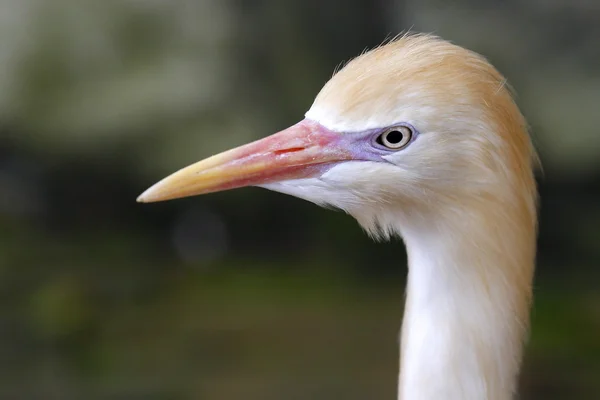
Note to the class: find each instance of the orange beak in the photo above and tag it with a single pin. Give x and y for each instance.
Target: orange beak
(301, 151)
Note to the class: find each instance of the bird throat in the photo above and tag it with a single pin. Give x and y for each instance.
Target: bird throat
(467, 308)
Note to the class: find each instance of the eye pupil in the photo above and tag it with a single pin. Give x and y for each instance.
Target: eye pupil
(394, 137)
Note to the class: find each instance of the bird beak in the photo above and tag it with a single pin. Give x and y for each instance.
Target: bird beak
(303, 150)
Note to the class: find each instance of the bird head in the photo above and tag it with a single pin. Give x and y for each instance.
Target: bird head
(401, 130)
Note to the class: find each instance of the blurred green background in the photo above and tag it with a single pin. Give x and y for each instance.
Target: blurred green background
(250, 294)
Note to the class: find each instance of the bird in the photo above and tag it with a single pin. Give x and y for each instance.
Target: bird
(418, 138)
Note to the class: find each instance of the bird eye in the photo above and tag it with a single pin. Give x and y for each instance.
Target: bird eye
(395, 138)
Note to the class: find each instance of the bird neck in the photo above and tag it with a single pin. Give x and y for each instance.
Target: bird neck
(467, 304)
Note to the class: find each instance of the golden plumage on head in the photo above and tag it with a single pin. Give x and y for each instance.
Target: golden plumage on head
(418, 138)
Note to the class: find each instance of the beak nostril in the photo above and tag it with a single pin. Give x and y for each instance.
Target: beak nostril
(290, 150)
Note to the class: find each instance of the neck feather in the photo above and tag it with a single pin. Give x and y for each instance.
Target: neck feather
(468, 300)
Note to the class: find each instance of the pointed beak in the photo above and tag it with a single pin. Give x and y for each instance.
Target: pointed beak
(301, 151)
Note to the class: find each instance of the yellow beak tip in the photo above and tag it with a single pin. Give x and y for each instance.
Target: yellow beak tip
(142, 198)
(147, 197)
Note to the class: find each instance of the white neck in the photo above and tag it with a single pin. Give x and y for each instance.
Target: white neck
(467, 307)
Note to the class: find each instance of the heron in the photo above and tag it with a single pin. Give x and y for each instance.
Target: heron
(421, 139)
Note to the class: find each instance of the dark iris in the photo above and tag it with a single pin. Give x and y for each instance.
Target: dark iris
(391, 137)
(394, 137)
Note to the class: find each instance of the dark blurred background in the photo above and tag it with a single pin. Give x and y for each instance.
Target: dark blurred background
(250, 294)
